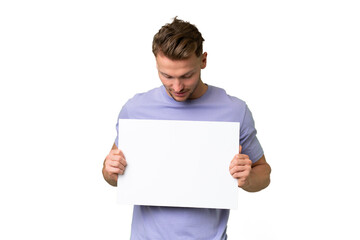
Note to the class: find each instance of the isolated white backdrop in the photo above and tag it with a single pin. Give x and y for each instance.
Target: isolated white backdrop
(66, 68)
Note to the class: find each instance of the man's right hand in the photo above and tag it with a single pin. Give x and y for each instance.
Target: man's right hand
(114, 164)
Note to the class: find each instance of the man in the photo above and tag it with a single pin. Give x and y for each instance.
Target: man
(180, 58)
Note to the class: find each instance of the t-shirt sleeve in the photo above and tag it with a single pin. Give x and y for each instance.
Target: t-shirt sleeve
(122, 115)
(248, 140)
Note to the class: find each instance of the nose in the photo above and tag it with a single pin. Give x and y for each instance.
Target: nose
(178, 85)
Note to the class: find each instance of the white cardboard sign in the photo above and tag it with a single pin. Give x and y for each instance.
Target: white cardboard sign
(178, 163)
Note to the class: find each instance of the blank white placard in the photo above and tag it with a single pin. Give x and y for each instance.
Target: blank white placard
(178, 163)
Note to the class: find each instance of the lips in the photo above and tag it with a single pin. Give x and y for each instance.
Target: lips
(180, 94)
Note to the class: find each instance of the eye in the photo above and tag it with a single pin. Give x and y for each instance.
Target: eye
(166, 76)
(187, 76)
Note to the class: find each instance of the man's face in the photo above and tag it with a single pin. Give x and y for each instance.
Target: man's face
(181, 78)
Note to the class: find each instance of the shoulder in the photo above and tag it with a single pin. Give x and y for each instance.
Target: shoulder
(140, 103)
(144, 97)
(220, 95)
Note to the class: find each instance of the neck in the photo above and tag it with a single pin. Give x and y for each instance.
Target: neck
(200, 90)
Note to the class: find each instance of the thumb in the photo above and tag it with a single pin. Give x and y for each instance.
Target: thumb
(240, 148)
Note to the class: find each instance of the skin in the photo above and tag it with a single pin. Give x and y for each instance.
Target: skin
(182, 81)
(181, 78)
(114, 165)
(251, 177)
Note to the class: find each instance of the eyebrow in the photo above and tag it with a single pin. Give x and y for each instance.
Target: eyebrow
(184, 75)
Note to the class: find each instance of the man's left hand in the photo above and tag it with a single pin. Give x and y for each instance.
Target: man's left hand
(240, 168)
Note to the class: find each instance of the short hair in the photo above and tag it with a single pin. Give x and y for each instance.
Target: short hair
(178, 40)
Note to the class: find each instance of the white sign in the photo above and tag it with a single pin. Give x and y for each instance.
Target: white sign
(178, 163)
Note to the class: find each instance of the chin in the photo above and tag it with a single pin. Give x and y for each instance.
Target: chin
(180, 99)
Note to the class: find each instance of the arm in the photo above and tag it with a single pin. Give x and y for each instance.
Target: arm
(252, 177)
(114, 164)
(259, 177)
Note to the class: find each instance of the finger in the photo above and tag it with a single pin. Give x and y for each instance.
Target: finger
(238, 169)
(236, 158)
(236, 161)
(241, 162)
(241, 182)
(240, 148)
(115, 151)
(233, 162)
(113, 170)
(122, 154)
(117, 158)
(112, 157)
(242, 156)
(123, 162)
(116, 164)
(241, 175)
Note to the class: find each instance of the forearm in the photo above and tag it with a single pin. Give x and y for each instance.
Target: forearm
(258, 179)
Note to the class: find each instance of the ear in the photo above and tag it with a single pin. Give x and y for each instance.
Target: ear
(203, 60)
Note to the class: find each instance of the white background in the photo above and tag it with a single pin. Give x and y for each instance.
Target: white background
(66, 68)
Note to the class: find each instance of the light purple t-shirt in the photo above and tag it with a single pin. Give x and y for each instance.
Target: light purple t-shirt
(158, 223)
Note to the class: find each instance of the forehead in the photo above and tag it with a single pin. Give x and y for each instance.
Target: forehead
(174, 67)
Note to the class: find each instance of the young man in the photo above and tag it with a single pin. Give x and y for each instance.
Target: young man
(183, 96)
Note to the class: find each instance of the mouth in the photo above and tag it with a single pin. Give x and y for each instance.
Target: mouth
(180, 94)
